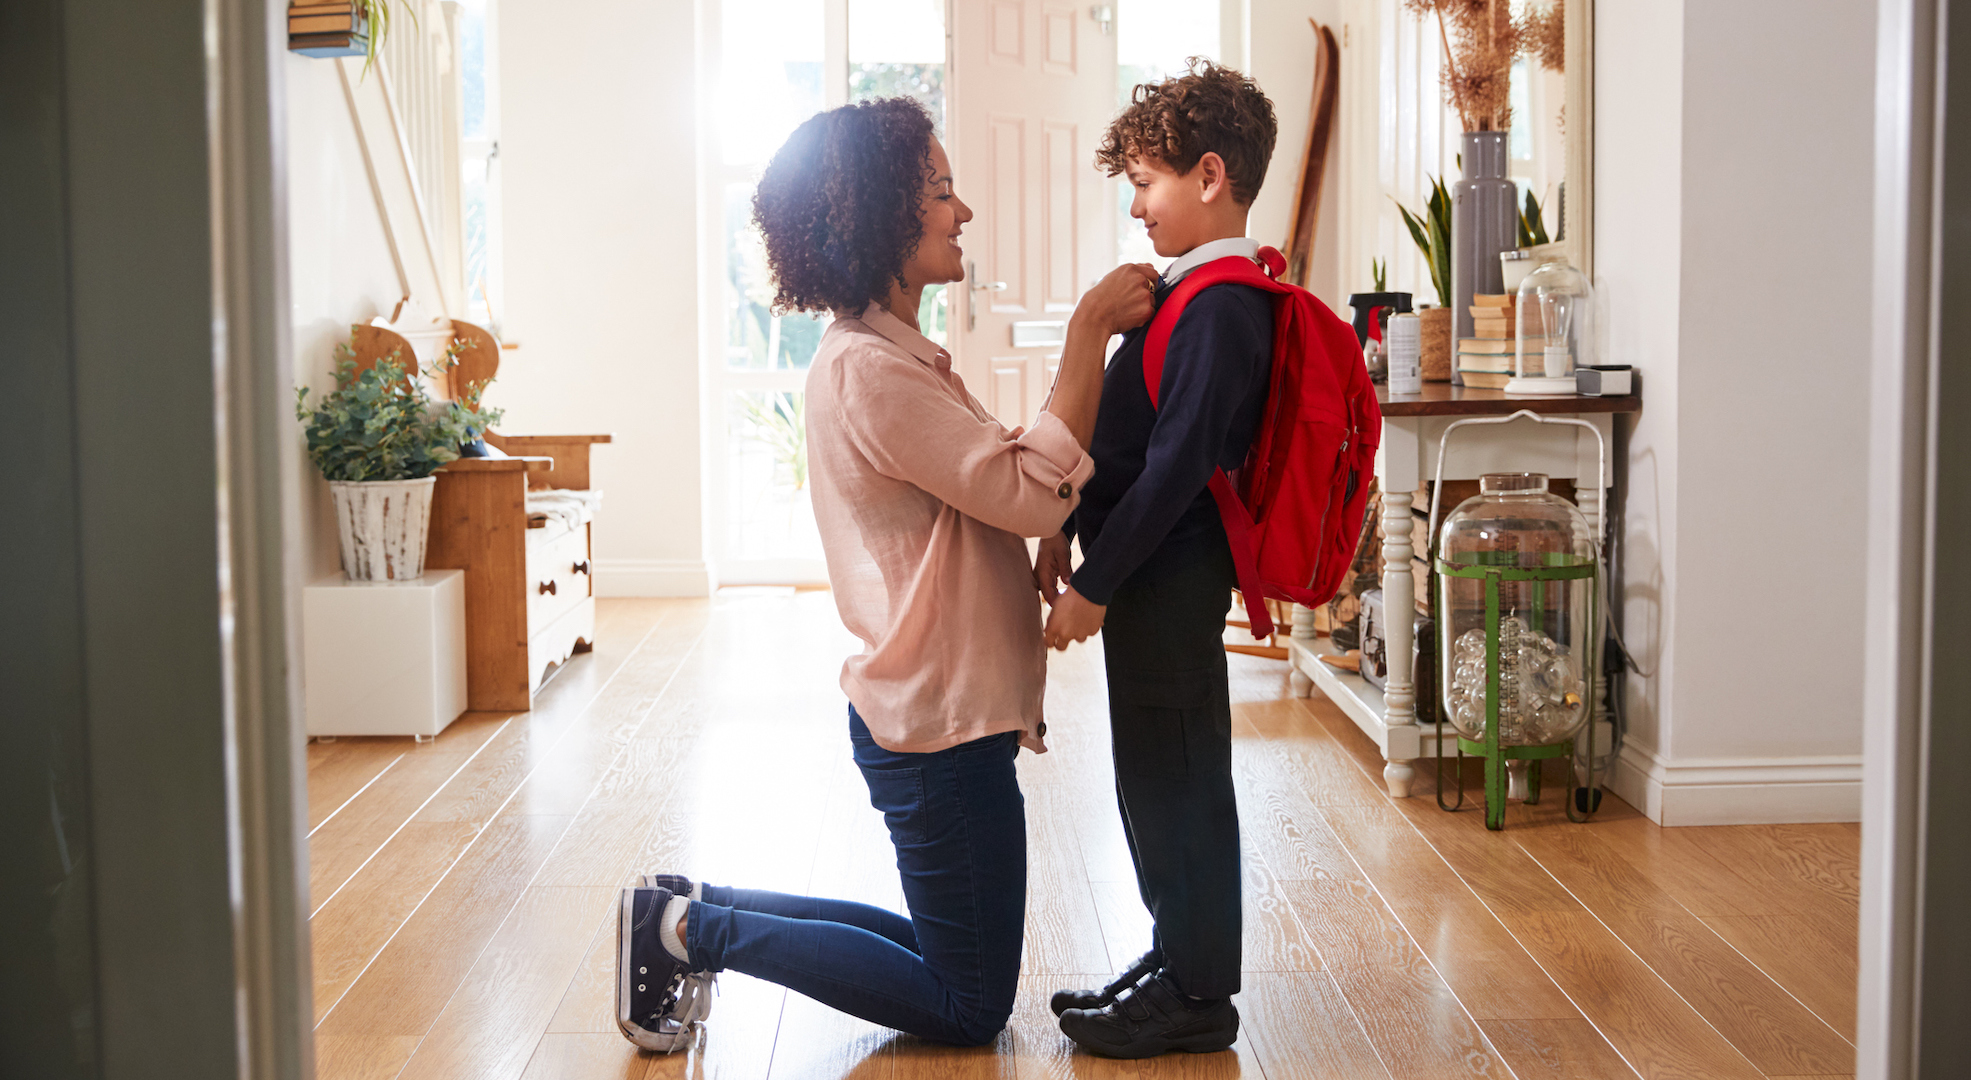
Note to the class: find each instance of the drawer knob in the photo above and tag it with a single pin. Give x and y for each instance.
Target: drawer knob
(547, 588)
(581, 567)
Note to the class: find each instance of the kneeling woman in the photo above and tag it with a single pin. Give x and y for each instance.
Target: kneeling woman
(922, 499)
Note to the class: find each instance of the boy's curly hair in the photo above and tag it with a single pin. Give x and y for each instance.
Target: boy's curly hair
(1209, 109)
(839, 208)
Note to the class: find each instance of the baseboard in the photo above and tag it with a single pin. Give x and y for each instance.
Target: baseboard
(1739, 791)
(652, 577)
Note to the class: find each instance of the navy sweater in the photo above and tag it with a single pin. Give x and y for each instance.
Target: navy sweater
(1146, 511)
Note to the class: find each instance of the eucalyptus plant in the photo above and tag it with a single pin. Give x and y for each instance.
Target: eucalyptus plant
(380, 424)
(1431, 229)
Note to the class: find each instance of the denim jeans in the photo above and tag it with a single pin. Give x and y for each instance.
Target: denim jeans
(950, 971)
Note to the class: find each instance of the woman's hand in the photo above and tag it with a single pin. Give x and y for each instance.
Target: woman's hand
(1073, 619)
(1051, 567)
(1124, 299)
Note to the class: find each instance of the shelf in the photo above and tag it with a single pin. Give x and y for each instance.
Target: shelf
(1443, 399)
(1363, 704)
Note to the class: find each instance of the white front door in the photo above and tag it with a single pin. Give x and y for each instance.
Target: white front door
(1033, 86)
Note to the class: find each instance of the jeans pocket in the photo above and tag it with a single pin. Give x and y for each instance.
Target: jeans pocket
(899, 794)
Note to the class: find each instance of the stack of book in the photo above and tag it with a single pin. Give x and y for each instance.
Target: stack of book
(327, 29)
(1486, 358)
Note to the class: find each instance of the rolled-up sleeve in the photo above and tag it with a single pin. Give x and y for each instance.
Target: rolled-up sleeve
(913, 429)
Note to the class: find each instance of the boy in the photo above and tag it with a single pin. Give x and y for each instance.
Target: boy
(1157, 572)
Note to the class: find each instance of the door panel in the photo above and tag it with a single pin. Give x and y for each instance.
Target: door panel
(1008, 225)
(1032, 87)
(1059, 244)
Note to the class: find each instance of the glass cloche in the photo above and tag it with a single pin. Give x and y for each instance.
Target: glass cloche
(1533, 551)
(1555, 329)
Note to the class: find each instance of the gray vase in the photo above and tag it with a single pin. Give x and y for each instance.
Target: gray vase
(1484, 222)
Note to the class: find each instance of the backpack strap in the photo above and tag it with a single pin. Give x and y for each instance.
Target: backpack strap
(1156, 342)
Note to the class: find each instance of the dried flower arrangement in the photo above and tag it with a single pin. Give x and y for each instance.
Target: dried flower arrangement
(1543, 36)
(1478, 69)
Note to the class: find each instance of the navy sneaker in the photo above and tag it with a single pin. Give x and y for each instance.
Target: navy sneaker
(660, 1002)
(677, 883)
(1145, 966)
(1154, 1018)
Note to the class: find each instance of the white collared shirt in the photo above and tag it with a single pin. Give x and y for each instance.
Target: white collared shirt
(1208, 251)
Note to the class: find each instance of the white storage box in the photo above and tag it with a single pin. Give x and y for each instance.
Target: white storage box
(384, 657)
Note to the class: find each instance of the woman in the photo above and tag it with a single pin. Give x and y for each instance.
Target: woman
(922, 499)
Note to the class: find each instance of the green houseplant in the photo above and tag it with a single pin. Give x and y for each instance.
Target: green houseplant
(1431, 230)
(377, 439)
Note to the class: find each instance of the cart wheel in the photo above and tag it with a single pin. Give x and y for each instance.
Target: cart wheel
(1587, 800)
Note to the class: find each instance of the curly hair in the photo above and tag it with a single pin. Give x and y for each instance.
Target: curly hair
(1209, 109)
(839, 207)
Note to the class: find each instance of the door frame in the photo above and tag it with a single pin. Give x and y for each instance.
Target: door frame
(150, 315)
(1915, 950)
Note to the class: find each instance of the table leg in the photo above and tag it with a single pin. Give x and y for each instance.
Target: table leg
(1593, 504)
(1303, 628)
(1399, 607)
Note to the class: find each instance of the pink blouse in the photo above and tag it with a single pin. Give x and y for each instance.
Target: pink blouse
(922, 499)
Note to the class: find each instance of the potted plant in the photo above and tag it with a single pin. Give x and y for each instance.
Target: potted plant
(323, 28)
(1482, 39)
(1431, 230)
(377, 439)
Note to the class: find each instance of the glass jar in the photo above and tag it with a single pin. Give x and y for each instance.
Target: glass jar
(1555, 315)
(1516, 610)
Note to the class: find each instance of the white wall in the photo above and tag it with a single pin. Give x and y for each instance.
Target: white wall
(1638, 259)
(340, 271)
(1733, 181)
(598, 146)
(1279, 50)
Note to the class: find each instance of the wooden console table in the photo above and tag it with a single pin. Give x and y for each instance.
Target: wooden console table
(1412, 425)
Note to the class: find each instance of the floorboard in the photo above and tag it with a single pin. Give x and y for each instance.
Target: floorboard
(1556, 1049)
(465, 890)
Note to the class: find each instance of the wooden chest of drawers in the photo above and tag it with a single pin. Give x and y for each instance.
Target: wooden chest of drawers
(529, 598)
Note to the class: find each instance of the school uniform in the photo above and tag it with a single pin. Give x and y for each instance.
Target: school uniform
(1155, 552)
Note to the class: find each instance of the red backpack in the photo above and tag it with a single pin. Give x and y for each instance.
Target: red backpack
(1296, 511)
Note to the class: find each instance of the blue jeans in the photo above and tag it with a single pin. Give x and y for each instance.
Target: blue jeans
(950, 971)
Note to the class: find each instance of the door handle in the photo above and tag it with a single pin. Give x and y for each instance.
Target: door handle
(977, 286)
(548, 589)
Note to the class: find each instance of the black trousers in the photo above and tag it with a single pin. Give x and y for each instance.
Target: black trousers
(1170, 717)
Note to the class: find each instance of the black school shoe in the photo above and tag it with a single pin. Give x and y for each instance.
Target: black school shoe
(1145, 966)
(1153, 1018)
(660, 1001)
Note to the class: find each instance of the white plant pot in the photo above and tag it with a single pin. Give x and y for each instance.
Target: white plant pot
(382, 526)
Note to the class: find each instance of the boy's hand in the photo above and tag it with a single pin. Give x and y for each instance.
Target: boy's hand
(1051, 567)
(1073, 619)
(1124, 299)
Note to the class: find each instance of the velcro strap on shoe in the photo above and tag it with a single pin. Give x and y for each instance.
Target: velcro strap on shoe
(1157, 995)
(1145, 965)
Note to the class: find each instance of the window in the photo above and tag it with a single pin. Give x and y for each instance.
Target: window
(479, 179)
(1154, 40)
(780, 62)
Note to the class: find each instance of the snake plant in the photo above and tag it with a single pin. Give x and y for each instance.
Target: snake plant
(1431, 229)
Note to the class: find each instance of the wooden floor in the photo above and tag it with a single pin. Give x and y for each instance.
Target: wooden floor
(463, 890)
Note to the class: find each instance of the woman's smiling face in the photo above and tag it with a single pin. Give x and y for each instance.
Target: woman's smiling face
(938, 258)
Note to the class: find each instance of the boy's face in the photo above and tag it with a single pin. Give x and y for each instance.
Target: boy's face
(1180, 210)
